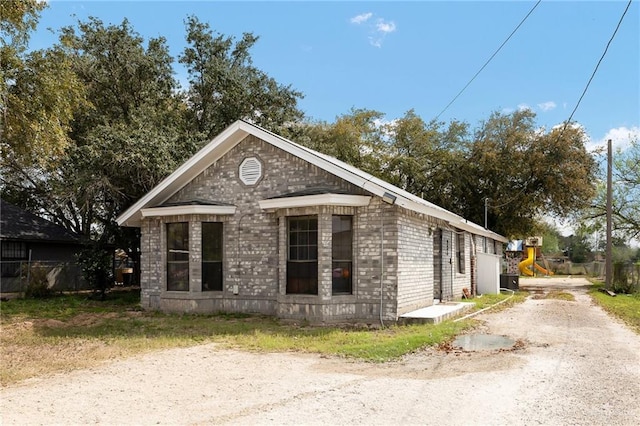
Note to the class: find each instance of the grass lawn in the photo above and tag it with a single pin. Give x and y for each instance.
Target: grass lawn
(624, 306)
(70, 332)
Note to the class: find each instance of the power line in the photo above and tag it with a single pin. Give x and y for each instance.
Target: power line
(595, 70)
(489, 60)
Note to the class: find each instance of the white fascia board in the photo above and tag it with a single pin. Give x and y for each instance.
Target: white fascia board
(476, 229)
(189, 209)
(315, 200)
(186, 172)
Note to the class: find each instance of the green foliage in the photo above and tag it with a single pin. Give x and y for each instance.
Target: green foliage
(424, 158)
(40, 105)
(550, 238)
(243, 331)
(625, 195)
(626, 278)
(490, 300)
(63, 307)
(95, 260)
(560, 295)
(224, 86)
(625, 307)
(577, 246)
(17, 19)
(524, 172)
(37, 282)
(109, 122)
(96, 121)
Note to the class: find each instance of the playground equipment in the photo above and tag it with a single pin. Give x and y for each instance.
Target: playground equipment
(515, 262)
(525, 265)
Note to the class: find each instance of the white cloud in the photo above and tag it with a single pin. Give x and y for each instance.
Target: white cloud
(385, 27)
(375, 41)
(547, 106)
(522, 107)
(621, 138)
(363, 17)
(378, 29)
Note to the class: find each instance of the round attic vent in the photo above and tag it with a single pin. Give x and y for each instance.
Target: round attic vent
(250, 171)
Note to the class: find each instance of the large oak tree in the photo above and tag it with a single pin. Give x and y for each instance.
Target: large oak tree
(521, 172)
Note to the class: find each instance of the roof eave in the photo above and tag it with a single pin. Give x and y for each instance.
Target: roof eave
(185, 173)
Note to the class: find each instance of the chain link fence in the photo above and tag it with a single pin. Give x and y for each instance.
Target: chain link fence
(626, 277)
(23, 276)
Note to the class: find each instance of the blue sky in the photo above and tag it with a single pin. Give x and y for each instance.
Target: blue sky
(396, 56)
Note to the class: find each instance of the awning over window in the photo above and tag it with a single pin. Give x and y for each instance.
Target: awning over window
(314, 197)
(189, 207)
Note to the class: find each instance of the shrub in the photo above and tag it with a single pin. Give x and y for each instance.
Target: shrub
(37, 281)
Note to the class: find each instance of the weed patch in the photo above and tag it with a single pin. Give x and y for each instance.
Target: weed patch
(623, 306)
(560, 295)
(73, 331)
(489, 300)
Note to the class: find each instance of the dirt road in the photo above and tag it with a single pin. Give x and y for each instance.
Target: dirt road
(576, 366)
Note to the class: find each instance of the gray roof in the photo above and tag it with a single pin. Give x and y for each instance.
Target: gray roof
(19, 225)
(239, 130)
(195, 202)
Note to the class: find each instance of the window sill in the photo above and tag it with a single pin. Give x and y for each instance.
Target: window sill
(195, 295)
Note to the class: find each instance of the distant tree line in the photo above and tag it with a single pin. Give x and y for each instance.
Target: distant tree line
(92, 123)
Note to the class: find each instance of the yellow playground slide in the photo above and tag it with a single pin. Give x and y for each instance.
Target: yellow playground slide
(525, 264)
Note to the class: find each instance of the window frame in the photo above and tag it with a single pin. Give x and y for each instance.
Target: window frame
(341, 266)
(217, 257)
(460, 246)
(12, 254)
(180, 266)
(302, 255)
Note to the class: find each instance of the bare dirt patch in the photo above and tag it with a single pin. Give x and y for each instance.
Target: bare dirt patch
(574, 365)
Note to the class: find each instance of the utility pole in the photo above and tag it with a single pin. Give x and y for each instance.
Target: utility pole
(609, 254)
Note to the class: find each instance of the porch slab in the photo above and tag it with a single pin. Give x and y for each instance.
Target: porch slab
(435, 314)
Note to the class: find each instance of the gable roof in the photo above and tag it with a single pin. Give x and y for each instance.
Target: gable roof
(239, 130)
(20, 225)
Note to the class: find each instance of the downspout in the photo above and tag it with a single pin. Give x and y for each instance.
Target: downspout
(381, 258)
(473, 264)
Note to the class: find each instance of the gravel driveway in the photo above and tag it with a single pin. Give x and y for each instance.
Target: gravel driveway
(576, 366)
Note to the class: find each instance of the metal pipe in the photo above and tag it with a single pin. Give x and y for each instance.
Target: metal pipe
(473, 314)
(381, 259)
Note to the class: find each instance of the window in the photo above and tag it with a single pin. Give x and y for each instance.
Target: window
(178, 256)
(14, 250)
(12, 253)
(212, 256)
(342, 254)
(302, 263)
(460, 254)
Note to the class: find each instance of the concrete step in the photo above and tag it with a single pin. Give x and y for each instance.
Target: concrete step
(435, 314)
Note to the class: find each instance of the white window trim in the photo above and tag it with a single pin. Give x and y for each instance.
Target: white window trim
(189, 209)
(315, 200)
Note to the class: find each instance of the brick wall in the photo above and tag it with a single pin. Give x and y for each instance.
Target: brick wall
(461, 280)
(415, 261)
(255, 245)
(393, 260)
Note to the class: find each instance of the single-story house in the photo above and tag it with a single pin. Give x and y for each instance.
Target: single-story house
(27, 238)
(255, 223)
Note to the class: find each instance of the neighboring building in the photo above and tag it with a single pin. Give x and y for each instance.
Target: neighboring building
(256, 223)
(25, 237)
